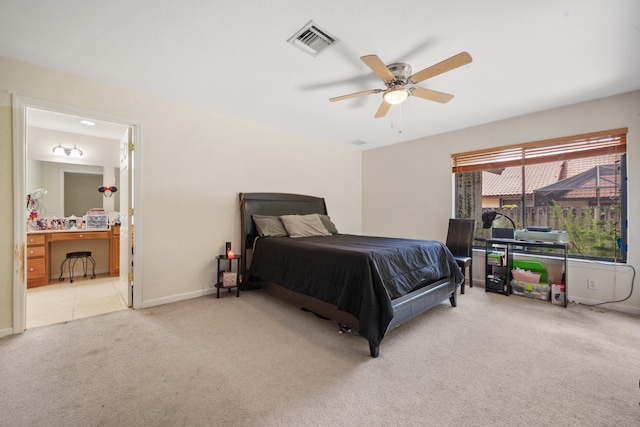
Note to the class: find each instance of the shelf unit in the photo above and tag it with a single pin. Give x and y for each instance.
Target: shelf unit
(219, 282)
(499, 262)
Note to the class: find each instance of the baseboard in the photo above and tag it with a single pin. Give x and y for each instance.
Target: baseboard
(55, 276)
(176, 298)
(6, 332)
(620, 306)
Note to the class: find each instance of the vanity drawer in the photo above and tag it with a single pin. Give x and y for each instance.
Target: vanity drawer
(36, 269)
(79, 235)
(35, 251)
(36, 240)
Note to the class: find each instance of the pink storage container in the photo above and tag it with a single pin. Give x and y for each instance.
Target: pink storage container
(525, 276)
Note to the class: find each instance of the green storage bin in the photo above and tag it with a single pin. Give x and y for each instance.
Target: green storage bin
(495, 258)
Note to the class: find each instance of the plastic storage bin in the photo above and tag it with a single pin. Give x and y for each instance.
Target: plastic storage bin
(533, 266)
(525, 276)
(495, 258)
(531, 290)
(97, 222)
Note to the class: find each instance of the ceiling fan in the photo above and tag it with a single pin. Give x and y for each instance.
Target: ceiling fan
(398, 75)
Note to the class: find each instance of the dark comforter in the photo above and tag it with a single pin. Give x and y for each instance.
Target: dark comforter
(357, 274)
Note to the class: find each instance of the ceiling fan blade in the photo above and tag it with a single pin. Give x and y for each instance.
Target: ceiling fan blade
(353, 95)
(383, 109)
(455, 61)
(431, 95)
(378, 67)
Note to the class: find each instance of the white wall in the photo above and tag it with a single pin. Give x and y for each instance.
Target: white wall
(407, 188)
(193, 163)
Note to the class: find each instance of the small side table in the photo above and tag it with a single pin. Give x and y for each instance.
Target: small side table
(219, 282)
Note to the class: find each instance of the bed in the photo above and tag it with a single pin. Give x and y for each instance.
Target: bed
(369, 284)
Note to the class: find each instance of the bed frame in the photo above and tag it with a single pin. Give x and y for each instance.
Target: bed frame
(405, 308)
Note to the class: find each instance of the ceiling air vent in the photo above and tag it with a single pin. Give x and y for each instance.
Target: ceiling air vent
(312, 39)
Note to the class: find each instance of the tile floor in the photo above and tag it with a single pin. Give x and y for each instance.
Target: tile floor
(63, 301)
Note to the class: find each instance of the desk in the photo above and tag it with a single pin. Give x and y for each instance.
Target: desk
(39, 250)
(498, 275)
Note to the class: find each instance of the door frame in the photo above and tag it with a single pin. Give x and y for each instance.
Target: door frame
(19, 123)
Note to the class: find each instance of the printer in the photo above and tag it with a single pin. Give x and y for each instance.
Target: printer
(542, 234)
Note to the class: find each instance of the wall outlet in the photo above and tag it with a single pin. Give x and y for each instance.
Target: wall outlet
(592, 284)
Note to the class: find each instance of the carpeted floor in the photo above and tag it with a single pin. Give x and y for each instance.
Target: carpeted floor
(256, 361)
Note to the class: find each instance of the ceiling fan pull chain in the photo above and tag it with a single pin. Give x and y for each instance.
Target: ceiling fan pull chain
(397, 118)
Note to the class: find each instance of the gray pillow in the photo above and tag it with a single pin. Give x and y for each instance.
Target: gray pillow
(328, 224)
(269, 226)
(304, 225)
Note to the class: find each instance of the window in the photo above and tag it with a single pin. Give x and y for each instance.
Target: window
(576, 184)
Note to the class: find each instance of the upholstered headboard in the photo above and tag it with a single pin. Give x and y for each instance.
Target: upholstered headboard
(272, 204)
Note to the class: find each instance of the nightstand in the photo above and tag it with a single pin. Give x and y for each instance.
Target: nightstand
(223, 282)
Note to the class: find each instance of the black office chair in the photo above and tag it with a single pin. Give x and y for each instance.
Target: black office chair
(460, 243)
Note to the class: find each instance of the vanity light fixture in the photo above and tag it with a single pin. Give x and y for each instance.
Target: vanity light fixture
(65, 151)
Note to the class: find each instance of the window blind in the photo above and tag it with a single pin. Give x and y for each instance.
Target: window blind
(566, 148)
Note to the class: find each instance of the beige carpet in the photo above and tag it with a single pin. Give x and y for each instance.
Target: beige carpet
(255, 361)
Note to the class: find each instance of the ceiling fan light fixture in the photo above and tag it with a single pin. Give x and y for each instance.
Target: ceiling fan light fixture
(399, 74)
(395, 95)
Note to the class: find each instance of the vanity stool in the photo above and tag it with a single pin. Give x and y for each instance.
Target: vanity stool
(72, 258)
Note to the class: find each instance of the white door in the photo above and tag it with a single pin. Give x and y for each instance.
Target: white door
(126, 217)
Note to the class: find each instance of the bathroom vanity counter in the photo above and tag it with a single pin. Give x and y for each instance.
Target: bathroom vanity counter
(39, 250)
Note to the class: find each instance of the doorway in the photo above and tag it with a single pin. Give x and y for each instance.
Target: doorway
(33, 118)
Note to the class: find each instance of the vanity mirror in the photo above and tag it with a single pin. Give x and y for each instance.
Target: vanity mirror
(71, 189)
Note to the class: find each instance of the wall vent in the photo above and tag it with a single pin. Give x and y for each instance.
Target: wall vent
(312, 39)
(357, 142)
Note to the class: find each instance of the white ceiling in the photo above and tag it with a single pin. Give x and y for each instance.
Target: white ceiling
(73, 124)
(232, 57)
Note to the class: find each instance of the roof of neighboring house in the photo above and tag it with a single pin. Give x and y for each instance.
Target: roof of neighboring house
(585, 185)
(575, 167)
(508, 181)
